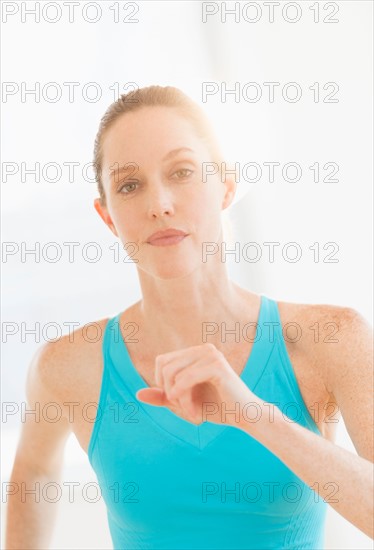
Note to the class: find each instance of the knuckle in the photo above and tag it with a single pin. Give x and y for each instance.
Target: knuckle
(212, 350)
(178, 379)
(159, 360)
(210, 346)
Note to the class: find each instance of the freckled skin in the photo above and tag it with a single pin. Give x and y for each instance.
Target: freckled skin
(179, 293)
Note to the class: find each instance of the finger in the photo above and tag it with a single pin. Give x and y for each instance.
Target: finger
(152, 396)
(156, 397)
(166, 359)
(186, 404)
(170, 371)
(181, 357)
(196, 374)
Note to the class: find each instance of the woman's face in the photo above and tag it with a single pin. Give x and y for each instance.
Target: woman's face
(162, 188)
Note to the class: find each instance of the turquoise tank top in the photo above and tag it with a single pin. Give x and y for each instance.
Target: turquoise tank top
(170, 484)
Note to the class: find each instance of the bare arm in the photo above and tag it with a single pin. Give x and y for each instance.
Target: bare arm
(323, 465)
(30, 516)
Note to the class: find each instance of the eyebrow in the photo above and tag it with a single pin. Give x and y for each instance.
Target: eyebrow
(171, 154)
(175, 152)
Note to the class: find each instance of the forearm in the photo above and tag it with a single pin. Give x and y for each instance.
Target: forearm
(320, 463)
(30, 512)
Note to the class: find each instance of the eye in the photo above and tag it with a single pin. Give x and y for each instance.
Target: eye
(126, 186)
(183, 172)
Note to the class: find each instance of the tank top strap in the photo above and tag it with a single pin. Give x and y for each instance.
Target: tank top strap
(271, 323)
(281, 369)
(277, 332)
(113, 346)
(113, 377)
(105, 385)
(107, 342)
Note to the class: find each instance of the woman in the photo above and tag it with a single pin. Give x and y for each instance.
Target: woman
(203, 438)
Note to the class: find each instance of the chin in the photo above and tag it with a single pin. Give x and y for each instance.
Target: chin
(172, 270)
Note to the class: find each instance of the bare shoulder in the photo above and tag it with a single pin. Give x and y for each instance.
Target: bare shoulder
(344, 361)
(327, 334)
(72, 363)
(62, 370)
(333, 361)
(308, 312)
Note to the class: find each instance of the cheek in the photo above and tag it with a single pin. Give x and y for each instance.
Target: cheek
(206, 197)
(213, 192)
(125, 222)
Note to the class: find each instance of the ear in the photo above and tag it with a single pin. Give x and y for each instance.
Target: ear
(102, 210)
(230, 190)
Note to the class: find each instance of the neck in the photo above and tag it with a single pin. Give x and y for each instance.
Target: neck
(193, 309)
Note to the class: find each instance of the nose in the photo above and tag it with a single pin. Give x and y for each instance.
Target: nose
(160, 202)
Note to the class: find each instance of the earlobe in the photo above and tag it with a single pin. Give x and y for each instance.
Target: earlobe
(103, 213)
(230, 192)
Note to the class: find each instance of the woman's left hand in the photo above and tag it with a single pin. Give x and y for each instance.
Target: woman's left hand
(198, 384)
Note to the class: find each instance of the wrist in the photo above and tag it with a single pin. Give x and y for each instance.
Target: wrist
(259, 417)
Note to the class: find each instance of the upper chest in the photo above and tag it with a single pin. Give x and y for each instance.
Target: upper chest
(315, 396)
(318, 401)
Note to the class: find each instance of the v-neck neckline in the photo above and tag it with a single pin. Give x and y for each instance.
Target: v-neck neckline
(199, 436)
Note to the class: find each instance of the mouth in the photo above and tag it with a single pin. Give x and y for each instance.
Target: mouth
(167, 241)
(167, 237)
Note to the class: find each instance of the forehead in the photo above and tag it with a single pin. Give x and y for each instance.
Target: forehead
(149, 133)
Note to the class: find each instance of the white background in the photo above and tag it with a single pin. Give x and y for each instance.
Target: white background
(170, 45)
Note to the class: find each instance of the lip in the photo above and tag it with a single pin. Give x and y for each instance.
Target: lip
(166, 236)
